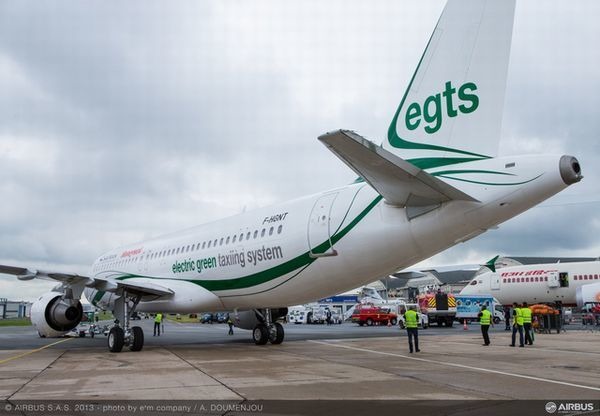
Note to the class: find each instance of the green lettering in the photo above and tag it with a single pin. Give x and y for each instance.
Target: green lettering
(436, 116)
(472, 98)
(414, 111)
(448, 93)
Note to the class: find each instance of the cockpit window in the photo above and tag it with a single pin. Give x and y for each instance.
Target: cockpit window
(473, 282)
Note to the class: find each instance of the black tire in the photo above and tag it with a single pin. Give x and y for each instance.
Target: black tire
(449, 322)
(361, 323)
(279, 333)
(496, 320)
(260, 334)
(137, 339)
(116, 339)
(92, 334)
(309, 318)
(369, 322)
(394, 321)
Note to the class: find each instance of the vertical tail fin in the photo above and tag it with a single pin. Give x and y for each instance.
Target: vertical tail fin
(452, 110)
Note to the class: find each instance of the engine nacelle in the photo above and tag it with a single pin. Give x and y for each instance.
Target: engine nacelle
(588, 294)
(53, 316)
(249, 319)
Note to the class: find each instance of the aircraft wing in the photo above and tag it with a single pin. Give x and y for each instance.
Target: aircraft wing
(398, 181)
(107, 285)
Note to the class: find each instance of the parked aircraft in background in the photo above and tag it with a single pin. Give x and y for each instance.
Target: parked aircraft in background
(569, 283)
(436, 181)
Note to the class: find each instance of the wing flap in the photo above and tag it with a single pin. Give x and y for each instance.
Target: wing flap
(398, 181)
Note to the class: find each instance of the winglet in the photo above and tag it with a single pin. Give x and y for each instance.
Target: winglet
(491, 264)
(398, 181)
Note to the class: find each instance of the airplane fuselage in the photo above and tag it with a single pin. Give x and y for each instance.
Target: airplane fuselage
(540, 283)
(314, 246)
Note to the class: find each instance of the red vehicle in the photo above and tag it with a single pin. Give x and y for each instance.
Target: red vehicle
(373, 315)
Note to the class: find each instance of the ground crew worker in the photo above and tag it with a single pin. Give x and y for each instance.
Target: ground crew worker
(517, 325)
(411, 319)
(485, 320)
(230, 323)
(507, 318)
(157, 321)
(526, 312)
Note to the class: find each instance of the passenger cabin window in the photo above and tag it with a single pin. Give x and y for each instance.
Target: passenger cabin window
(255, 234)
(227, 241)
(271, 231)
(248, 236)
(221, 241)
(233, 239)
(203, 245)
(279, 229)
(209, 243)
(262, 233)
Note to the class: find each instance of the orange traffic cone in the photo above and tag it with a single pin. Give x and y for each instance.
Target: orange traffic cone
(465, 325)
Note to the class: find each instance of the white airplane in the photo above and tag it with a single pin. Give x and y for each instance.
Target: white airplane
(433, 183)
(571, 284)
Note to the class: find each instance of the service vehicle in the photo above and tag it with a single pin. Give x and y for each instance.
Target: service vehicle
(423, 319)
(374, 315)
(439, 308)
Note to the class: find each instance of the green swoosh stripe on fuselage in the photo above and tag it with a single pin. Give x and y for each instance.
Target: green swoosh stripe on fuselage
(265, 276)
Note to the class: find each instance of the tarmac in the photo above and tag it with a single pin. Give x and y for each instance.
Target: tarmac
(340, 362)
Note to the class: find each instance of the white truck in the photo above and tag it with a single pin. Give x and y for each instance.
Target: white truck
(469, 306)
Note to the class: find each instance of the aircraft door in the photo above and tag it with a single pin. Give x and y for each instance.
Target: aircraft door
(495, 281)
(319, 227)
(552, 279)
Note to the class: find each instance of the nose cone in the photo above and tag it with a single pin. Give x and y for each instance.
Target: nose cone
(570, 170)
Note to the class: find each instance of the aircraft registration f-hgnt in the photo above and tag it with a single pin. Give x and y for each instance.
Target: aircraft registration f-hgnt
(435, 181)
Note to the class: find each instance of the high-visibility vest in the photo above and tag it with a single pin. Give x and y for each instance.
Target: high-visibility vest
(411, 319)
(526, 312)
(158, 318)
(486, 317)
(519, 316)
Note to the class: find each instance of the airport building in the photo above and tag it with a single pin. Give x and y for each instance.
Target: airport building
(14, 309)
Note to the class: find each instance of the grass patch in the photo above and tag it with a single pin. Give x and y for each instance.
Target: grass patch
(15, 322)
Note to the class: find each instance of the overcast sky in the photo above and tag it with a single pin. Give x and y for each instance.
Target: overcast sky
(125, 120)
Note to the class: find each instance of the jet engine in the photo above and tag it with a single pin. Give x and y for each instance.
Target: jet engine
(249, 319)
(53, 314)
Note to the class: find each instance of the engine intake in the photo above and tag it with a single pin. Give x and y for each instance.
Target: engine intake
(52, 315)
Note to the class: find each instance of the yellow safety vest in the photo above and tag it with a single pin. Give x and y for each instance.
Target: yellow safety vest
(158, 318)
(411, 319)
(526, 312)
(486, 317)
(519, 316)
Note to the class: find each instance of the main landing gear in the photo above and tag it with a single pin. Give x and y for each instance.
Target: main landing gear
(120, 336)
(267, 330)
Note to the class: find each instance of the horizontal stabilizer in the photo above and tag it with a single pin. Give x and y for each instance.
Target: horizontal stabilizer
(398, 181)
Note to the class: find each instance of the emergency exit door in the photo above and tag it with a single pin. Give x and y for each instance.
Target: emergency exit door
(320, 227)
(495, 281)
(552, 279)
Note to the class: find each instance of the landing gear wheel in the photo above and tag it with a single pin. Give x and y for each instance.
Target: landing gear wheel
(137, 339)
(116, 339)
(260, 334)
(277, 334)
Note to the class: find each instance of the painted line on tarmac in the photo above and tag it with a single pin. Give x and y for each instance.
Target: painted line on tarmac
(533, 347)
(468, 367)
(33, 351)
